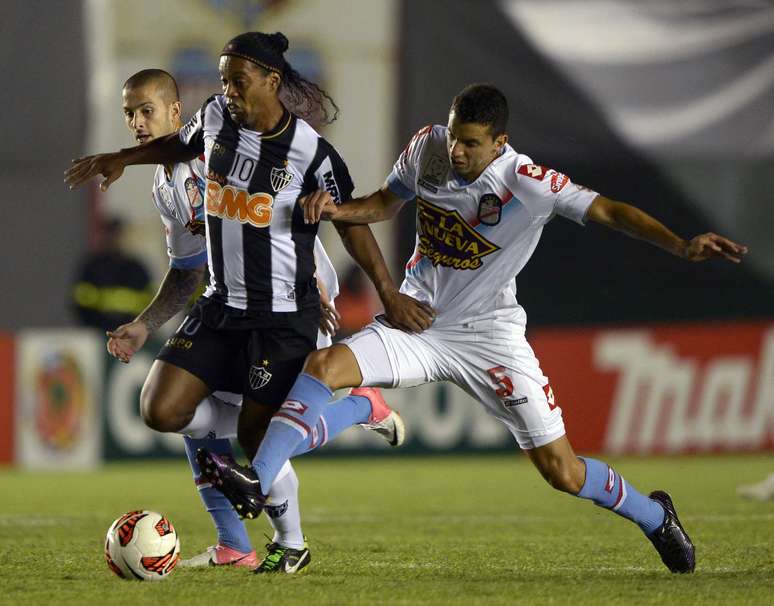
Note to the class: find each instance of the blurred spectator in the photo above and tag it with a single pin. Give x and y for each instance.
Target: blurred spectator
(356, 302)
(111, 287)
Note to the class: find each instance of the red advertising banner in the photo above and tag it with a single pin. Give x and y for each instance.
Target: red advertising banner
(6, 398)
(663, 389)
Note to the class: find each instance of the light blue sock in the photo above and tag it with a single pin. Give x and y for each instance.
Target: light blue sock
(231, 530)
(336, 417)
(290, 426)
(608, 489)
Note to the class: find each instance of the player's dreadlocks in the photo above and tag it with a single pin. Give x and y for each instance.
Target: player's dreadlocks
(305, 98)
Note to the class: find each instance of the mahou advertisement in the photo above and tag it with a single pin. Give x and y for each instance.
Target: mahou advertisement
(664, 389)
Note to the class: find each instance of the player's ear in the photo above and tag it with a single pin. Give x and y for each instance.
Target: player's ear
(176, 110)
(501, 141)
(274, 80)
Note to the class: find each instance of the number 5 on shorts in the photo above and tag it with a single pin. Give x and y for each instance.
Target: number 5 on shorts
(498, 376)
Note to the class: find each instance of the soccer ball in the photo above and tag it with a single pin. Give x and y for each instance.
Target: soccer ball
(142, 545)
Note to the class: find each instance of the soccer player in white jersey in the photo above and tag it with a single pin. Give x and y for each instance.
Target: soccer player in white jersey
(152, 109)
(481, 207)
(258, 318)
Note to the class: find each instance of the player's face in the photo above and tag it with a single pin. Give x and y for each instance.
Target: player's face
(247, 88)
(148, 115)
(471, 147)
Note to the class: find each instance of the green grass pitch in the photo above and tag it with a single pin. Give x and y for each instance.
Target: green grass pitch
(402, 530)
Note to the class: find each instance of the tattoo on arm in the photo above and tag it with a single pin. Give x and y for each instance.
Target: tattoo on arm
(175, 291)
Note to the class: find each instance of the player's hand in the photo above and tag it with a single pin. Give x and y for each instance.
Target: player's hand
(317, 206)
(406, 313)
(711, 245)
(124, 341)
(110, 166)
(329, 318)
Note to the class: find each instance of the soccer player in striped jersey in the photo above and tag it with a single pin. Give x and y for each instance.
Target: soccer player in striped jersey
(481, 208)
(152, 109)
(258, 319)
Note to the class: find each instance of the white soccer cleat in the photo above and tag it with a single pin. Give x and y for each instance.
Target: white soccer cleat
(221, 555)
(383, 420)
(762, 491)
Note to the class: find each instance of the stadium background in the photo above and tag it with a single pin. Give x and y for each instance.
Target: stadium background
(665, 105)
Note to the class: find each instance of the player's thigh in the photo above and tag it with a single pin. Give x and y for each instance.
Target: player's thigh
(276, 355)
(388, 357)
(214, 356)
(509, 383)
(170, 395)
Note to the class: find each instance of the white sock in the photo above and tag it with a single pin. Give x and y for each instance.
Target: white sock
(283, 512)
(213, 418)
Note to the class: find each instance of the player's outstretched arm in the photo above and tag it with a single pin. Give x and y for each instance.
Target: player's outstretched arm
(638, 224)
(164, 150)
(175, 291)
(402, 311)
(378, 206)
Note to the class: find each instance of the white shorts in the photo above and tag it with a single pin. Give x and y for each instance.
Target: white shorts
(489, 359)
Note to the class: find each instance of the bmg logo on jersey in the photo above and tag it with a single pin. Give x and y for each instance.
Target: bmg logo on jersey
(229, 202)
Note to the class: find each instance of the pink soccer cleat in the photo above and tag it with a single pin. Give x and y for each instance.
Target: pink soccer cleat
(383, 420)
(222, 555)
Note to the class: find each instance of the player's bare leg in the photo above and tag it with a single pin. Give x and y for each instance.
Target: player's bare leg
(591, 479)
(559, 466)
(335, 366)
(170, 396)
(253, 421)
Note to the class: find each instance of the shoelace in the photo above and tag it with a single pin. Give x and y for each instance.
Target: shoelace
(272, 560)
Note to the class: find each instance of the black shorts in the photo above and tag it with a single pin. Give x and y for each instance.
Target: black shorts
(259, 356)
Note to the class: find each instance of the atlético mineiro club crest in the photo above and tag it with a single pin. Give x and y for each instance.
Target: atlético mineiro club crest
(280, 178)
(490, 209)
(259, 376)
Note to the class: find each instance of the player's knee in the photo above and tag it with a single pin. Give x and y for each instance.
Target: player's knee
(322, 366)
(157, 414)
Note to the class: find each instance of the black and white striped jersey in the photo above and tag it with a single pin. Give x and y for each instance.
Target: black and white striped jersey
(260, 251)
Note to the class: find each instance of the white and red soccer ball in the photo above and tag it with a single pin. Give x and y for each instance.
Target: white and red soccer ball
(142, 545)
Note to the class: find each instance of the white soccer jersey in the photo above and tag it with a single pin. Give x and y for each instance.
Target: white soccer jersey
(180, 201)
(474, 238)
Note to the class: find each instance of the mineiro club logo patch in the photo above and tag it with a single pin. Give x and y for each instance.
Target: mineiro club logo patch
(259, 375)
(280, 178)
